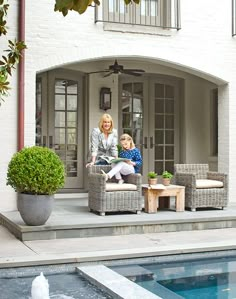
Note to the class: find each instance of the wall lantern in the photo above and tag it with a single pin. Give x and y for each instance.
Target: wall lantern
(105, 98)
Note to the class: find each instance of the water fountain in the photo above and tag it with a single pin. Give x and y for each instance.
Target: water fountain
(40, 288)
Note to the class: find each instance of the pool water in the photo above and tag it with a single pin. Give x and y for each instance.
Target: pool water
(61, 286)
(212, 278)
(206, 286)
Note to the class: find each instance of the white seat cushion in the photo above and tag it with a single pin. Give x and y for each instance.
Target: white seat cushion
(205, 184)
(120, 187)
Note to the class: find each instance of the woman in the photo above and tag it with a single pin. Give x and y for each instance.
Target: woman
(103, 141)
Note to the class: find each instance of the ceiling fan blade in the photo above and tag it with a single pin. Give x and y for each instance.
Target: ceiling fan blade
(105, 71)
(110, 73)
(135, 70)
(117, 69)
(131, 73)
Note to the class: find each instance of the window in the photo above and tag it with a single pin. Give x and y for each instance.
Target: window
(156, 13)
(38, 114)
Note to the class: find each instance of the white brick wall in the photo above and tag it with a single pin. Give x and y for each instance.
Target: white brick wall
(203, 47)
(8, 120)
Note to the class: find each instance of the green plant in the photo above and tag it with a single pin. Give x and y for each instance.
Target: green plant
(80, 6)
(14, 52)
(167, 175)
(36, 170)
(152, 175)
(119, 148)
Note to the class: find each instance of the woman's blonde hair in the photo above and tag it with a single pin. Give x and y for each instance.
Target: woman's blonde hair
(106, 116)
(127, 137)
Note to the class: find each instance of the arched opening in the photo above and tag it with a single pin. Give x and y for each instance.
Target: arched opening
(168, 111)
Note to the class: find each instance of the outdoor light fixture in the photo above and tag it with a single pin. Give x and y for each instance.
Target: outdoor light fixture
(105, 98)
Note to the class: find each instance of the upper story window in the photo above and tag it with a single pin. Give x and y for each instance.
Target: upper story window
(156, 13)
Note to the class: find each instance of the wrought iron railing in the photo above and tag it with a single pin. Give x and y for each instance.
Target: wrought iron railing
(233, 17)
(154, 13)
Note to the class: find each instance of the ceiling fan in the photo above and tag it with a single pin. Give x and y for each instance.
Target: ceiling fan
(119, 69)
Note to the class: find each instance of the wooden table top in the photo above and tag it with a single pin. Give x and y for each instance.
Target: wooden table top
(161, 187)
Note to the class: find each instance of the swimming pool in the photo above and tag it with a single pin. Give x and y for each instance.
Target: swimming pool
(207, 275)
(199, 277)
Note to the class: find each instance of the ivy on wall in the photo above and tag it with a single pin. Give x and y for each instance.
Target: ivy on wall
(13, 53)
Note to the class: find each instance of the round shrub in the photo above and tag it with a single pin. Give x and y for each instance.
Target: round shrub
(36, 170)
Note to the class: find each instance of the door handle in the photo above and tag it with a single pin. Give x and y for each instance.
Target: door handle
(145, 142)
(151, 142)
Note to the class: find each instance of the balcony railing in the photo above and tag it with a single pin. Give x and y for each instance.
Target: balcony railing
(154, 13)
(233, 17)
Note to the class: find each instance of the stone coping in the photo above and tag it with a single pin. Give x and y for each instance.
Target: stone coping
(109, 255)
(119, 287)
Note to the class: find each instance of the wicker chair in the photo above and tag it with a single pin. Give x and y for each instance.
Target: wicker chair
(203, 188)
(110, 196)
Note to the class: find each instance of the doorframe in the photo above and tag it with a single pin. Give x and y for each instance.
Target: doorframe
(48, 98)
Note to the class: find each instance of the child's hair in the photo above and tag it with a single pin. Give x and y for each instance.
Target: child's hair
(106, 116)
(127, 137)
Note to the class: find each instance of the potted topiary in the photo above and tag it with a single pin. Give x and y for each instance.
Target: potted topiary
(36, 173)
(166, 178)
(152, 178)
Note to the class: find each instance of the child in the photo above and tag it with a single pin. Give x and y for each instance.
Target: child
(130, 152)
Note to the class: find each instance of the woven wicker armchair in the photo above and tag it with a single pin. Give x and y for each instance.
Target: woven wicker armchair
(106, 196)
(199, 190)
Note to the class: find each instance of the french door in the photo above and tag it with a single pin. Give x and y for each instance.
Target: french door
(59, 121)
(149, 113)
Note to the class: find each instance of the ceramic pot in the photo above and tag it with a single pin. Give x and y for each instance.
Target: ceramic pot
(165, 181)
(152, 181)
(35, 209)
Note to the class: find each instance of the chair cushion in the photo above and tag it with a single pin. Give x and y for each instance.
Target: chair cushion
(205, 184)
(120, 187)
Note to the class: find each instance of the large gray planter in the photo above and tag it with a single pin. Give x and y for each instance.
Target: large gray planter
(35, 209)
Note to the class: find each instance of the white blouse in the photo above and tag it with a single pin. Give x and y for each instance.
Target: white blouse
(101, 146)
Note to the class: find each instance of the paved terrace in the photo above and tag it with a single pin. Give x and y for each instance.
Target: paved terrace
(125, 243)
(72, 219)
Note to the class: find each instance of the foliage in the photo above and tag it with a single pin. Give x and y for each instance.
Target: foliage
(7, 62)
(167, 175)
(79, 6)
(36, 170)
(119, 148)
(15, 48)
(152, 175)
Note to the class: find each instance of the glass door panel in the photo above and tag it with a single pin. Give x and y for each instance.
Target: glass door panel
(38, 114)
(150, 118)
(132, 111)
(66, 121)
(163, 127)
(59, 123)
